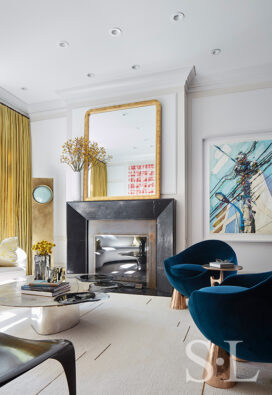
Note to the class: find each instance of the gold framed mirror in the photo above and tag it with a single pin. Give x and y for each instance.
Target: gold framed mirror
(131, 136)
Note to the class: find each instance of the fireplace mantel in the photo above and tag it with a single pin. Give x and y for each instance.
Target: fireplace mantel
(79, 213)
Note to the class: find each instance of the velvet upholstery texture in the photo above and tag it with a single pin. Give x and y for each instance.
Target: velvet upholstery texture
(239, 310)
(185, 272)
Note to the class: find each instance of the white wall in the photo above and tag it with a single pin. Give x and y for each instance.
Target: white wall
(48, 136)
(212, 114)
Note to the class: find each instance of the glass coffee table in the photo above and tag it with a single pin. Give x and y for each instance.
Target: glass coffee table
(52, 315)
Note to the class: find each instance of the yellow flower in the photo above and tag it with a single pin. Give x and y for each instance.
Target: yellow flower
(76, 153)
(43, 247)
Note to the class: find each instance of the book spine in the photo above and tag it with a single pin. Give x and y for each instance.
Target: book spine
(39, 293)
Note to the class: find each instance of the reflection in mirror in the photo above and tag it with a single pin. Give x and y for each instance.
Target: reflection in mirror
(131, 136)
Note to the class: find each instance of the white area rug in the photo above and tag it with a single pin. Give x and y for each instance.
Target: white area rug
(127, 345)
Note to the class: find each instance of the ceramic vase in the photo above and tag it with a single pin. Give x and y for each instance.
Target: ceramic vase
(74, 188)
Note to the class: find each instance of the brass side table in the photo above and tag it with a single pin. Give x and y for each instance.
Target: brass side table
(218, 358)
(221, 272)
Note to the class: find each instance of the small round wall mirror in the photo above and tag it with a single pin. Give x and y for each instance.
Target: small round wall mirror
(43, 194)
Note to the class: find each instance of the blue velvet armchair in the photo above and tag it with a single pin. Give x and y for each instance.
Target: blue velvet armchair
(184, 270)
(240, 309)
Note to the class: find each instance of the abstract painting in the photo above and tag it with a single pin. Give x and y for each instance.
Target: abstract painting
(240, 187)
(141, 179)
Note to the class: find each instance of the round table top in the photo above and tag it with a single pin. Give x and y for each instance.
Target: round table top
(11, 296)
(223, 269)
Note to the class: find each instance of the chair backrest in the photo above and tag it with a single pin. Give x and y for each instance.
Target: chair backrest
(207, 251)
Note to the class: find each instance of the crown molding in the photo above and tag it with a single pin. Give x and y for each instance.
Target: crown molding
(14, 102)
(159, 80)
(74, 97)
(190, 78)
(246, 78)
(47, 110)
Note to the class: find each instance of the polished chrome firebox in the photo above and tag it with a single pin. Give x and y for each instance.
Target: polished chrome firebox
(122, 256)
(129, 256)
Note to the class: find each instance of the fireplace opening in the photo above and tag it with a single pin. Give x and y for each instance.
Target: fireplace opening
(124, 257)
(124, 250)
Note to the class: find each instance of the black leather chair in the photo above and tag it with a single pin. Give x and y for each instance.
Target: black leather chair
(18, 356)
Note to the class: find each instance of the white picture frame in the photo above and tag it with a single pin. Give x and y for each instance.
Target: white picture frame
(238, 222)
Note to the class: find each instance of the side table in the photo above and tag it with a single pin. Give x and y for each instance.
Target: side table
(221, 271)
(217, 357)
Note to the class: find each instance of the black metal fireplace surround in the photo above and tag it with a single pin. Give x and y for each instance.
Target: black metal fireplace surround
(161, 210)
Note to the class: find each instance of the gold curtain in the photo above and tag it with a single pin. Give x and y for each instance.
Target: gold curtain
(99, 180)
(16, 179)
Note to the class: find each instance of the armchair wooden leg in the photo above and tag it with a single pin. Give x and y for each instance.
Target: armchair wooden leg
(178, 301)
(222, 370)
(238, 359)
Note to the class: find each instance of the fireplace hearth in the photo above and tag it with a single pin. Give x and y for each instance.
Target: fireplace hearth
(152, 220)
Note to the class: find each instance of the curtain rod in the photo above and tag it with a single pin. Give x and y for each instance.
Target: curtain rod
(18, 112)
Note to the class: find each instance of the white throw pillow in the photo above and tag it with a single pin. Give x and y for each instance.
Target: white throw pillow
(8, 247)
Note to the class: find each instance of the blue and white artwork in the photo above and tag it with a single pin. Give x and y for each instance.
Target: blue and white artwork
(241, 187)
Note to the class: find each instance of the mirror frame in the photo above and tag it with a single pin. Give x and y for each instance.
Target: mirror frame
(158, 150)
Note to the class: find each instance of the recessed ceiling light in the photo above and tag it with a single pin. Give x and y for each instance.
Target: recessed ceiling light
(178, 16)
(24, 88)
(216, 51)
(63, 44)
(90, 75)
(135, 67)
(115, 31)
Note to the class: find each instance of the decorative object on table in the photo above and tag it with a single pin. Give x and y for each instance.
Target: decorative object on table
(63, 274)
(239, 309)
(57, 274)
(186, 273)
(135, 165)
(42, 259)
(43, 288)
(238, 188)
(221, 264)
(78, 297)
(78, 153)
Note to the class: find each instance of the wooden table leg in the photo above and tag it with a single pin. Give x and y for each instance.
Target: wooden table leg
(178, 301)
(222, 370)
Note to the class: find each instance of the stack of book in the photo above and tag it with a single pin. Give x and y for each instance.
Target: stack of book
(43, 288)
(222, 265)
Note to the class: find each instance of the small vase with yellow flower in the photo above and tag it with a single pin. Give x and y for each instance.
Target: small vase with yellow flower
(42, 259)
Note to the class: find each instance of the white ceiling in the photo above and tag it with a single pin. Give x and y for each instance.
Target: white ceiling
(31, 29)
